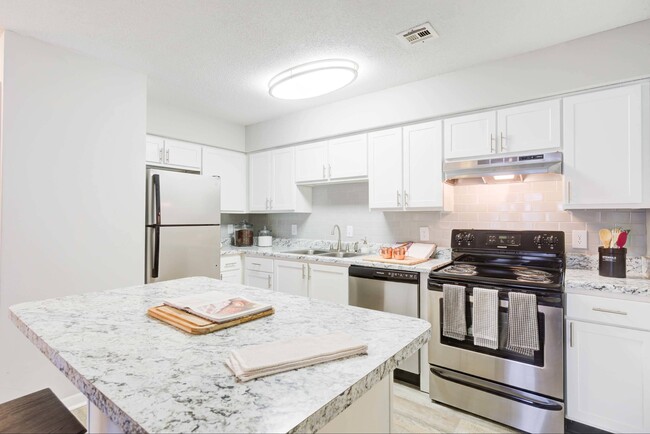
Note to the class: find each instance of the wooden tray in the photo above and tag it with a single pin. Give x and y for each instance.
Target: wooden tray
(195, 324)
(406, 261)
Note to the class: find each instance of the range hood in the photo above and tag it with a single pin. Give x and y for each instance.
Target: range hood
(499, 169)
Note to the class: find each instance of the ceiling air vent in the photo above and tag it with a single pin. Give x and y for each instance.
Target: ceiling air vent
(417, 34)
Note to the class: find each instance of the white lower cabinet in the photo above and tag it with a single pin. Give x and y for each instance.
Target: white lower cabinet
(323, 282)
(258, 272)
(231, 268)
(608, 363)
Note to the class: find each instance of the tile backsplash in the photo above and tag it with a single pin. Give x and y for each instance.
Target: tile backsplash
(535, 204)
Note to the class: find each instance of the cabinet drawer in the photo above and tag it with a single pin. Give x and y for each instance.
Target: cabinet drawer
(230, 262)
(624, 313)
(258, 264)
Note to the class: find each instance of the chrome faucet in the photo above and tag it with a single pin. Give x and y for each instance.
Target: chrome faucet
(338, 244)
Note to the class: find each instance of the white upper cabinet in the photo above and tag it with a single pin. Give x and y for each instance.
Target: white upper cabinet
(605, 163)
(423, 180)
(529, 127)
(173, 153)
(336, 160)
(348, 157)
(405, 167)
(231, 167)
(524, 128)
(272, 183)
(470, 135)
(385, 169)
(311, 162)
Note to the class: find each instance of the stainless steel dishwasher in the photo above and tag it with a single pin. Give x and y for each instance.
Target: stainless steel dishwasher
(393, 291)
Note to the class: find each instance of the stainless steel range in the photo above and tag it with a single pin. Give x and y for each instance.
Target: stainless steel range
(517, 388)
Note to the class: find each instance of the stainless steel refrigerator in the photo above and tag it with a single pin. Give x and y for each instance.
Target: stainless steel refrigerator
(183, 225)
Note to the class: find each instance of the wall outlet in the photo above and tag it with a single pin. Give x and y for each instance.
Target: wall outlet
(231, 229)
(424, 233)
(579, 239)
(349, 231)
(294, 229)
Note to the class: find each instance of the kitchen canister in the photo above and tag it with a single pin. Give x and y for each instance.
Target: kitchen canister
(611, 262)
(264, 238)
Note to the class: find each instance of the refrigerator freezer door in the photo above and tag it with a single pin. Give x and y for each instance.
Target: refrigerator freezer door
(183, 251)
(185, 198)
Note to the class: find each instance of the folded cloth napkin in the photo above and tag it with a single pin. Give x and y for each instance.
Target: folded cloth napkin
(485, 317)
(523, 332)
(453, 318)
(260, 360)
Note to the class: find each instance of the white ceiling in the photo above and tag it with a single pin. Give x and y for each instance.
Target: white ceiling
(217, 56)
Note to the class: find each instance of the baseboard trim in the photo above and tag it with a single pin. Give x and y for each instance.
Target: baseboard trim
(75, 401)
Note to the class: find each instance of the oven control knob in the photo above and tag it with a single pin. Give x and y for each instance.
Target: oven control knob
(469, 237)
(460, 237)
(537, 240)
(551, 240)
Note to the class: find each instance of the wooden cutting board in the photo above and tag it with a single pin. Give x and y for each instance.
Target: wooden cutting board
(195, 324)
(406, 261)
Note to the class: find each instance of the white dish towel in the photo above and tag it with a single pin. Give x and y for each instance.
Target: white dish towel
(454, 324)
(260, 360)
(523, 331)
(485, 317)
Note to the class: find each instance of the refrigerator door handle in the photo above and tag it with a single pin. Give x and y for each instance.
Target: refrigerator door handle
(156, 252)
(156, 195)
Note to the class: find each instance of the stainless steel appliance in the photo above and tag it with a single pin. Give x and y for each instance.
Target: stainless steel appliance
(183, 234)
(388, 291)
(526, 392)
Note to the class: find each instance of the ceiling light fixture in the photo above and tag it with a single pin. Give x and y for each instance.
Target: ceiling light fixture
(313, 79)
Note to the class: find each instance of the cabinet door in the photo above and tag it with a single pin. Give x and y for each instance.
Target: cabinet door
(328, 282)
(259, 181)
(231, 167)
(311, 162)
(258, 279)
(423, 165)
(155, 149)
(385, 169)
(608, 377)
(471, 135)
(182, 154)
(603, 147)
(290, 277)
(283, 194)
(348, 157)
(232, 276)
(529, 127)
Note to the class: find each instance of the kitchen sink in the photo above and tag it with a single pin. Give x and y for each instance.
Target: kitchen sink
(342, 254)
(307, 252)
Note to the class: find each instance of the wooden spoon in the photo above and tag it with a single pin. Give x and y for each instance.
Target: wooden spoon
(605, 237)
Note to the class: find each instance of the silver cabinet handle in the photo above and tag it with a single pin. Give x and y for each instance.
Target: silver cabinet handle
(167, 155)
(266, 206)
(269, 281)
(303, 271)
(308, 272)
(256, 263)
(501, 141)
(329, 169)
(399, 198)
(571, 334)
(406, 198)
(617, 312)
(270, 203)
(492, 143)
(324, 173)
(160, 155)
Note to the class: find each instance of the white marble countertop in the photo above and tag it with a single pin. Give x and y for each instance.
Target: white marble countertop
(634, 287)
(147, 376)
(281, 252)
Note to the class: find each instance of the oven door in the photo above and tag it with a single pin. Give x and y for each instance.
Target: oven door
(541, 373)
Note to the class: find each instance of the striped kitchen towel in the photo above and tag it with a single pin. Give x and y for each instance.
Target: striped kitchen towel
(485, 317)
(523, 331)
(453, 319)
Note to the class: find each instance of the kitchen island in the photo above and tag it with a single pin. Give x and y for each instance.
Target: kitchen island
(145, 376)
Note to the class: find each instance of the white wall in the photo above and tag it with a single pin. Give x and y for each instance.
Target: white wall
(600, 59)
(178, 123)
(72, 190)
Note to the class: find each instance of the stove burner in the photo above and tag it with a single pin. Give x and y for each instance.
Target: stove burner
(534, 279)
(532, 273)
(461, 270)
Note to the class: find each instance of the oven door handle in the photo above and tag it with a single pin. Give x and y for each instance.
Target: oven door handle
(504, 392)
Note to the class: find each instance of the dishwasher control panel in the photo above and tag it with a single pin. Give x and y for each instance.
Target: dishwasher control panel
(384, 274)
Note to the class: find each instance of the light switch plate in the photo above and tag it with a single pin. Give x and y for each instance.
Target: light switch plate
(294, 229)
(231, 229)
(424, 233)
(579, 239)
(349, 231)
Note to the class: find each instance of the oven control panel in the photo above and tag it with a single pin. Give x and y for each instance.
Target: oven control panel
(538, 241)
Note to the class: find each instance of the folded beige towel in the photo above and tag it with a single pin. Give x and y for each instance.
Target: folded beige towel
(260, 360)
(485, 317)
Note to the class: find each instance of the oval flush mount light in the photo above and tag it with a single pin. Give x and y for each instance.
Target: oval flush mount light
(313, 79)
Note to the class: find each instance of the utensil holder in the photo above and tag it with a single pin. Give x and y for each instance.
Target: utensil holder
(611, 262)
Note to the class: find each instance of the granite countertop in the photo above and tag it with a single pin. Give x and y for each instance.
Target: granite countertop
(147, 376)
(589, 282)
(281, 252)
